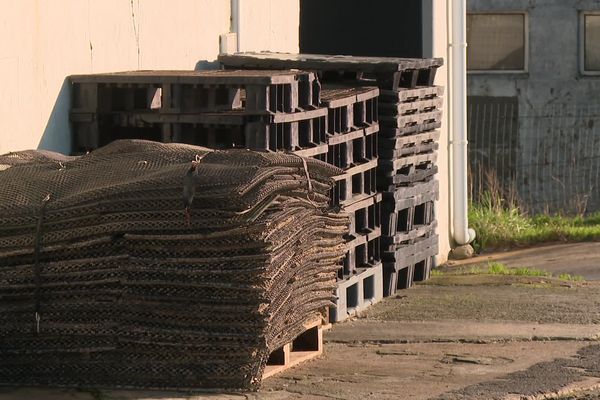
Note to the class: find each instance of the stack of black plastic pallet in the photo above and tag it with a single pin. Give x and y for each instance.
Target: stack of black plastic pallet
(352, 139)
(262, 110)
(410, 114)
(408, 148)
(278, 110)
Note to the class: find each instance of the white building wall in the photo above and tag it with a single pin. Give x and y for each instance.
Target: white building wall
(270, 25)
(435, 44)
(44, 41)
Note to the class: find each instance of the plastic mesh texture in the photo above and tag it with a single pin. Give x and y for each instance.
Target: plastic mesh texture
(106, 280)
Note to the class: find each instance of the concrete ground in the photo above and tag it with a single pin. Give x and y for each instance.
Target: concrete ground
(575, 258)
(455, 337)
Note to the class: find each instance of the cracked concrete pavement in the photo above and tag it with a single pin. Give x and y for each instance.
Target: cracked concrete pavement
(455, 337)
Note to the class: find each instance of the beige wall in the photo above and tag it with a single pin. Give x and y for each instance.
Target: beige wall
(271, 25)
(45, 41)
(434, 20)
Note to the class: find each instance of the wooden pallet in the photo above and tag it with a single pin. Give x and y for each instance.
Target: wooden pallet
(306, 346)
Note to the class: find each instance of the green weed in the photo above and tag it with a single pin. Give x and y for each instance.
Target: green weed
(496, 268)
(500, 225)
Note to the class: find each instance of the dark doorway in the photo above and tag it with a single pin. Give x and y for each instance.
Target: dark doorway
(390, 28)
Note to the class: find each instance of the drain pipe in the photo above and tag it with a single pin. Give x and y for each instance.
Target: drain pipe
(236, 17)
(457, 81)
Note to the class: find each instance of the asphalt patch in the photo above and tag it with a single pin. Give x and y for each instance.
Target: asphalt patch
(545, 377)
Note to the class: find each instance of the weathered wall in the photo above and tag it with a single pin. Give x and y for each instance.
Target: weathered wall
(435, 44)
(557, 106)
(45, 41)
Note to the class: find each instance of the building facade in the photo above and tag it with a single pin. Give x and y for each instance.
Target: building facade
(534, 101)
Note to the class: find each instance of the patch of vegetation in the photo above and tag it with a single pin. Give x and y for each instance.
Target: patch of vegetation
(501, 224)
(496, 268)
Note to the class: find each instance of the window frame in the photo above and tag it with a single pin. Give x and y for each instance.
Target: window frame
(525, 69)
(582, 70)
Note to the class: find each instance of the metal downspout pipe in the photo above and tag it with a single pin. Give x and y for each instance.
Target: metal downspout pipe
(457, 82)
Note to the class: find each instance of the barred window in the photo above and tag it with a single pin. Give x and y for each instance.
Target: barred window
(496, 42)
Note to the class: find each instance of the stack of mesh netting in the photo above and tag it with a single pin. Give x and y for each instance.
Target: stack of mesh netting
(104, 281)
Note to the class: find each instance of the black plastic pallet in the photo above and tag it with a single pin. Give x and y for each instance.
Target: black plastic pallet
(294, 131)
(399, 193)
(401, 238)
(406, 171)
(409, 262)
(353, 148)
(410, 108)
(394, 280)
(402, 95)
(350, 108)
(195, 91)
(409, 130)
(365, 215)
(398, 147)
(388, 73)
(404, 216)
(412, 123)
(364, 251)
(420, 148)
(355, 184)
(424, 173)
(357, 292)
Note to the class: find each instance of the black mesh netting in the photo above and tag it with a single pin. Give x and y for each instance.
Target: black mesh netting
(160, 265)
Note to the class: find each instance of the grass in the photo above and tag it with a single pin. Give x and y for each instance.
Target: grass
(496, 268)
(500, 224)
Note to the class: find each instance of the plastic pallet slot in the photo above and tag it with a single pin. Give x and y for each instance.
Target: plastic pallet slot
(363, 251)
(412, 261)
(221, 130)
(424, 172)
(357, 293)
(409, 150)
(400, 193)
(414, 122)
(408, 170)
(402, 95)
(394, 280)
(410, 108)
(400, 238)
(400, 142)
(195, 91)
(403, 253)
(403, 216)
(409, 130)
(396, 166)
(354, 184)
(346, 118)
(347, 112)
(365, 215)
(353, 148)
(335, 96)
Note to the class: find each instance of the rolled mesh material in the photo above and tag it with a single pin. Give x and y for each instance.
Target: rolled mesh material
(132, 266)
